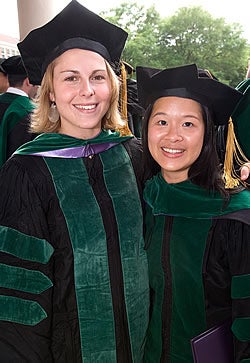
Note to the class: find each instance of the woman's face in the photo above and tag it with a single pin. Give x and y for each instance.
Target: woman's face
(175, 136)
(81, 91)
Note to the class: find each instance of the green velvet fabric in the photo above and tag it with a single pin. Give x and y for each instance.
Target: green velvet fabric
(187, 316)
(21, 279)
(240, 287)
(31, 248)
(241, 329)
(21, 311)
(20, 107)
(188, 200)
(89, 245)
(53, 141)
(187, 280)
(188, 211)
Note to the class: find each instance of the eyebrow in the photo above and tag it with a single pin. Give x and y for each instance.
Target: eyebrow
(75, 71)
(165, 114)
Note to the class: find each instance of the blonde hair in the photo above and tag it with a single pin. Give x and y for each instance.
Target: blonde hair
(40, 123)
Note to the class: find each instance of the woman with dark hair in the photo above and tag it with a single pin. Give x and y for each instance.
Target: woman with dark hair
(197, 230)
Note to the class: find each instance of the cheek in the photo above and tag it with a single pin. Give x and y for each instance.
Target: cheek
(105, 93)
(152, 142)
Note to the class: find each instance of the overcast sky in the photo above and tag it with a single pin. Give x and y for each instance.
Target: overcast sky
(232, 11)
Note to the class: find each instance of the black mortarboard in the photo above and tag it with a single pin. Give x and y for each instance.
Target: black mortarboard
(74, 27)
(1, 61)
(14, 66)
(184, 82)
(206, 73)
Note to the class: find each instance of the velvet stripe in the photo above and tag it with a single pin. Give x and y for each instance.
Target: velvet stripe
(240, 286)
(24, 246)
(21, 279)
(93, 294)
(241, 329)
(21, 311)
(186, 279)
(130, 227)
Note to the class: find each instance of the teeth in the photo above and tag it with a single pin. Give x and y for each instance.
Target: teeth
(89, 107)
(172, 151)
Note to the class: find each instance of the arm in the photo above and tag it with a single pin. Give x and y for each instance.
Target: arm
(26, 264)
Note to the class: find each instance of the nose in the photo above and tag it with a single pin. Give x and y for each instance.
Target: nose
(86, 88)
(173, 133)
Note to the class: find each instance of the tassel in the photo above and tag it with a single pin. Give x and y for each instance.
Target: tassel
(124, 102)
(233, 153)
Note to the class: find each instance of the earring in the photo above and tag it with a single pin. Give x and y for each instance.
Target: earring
(53, 113)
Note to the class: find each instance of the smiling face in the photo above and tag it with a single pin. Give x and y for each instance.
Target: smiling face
(81, 91)
(175, 136)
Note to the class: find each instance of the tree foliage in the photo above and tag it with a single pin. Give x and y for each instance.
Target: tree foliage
(191, 35)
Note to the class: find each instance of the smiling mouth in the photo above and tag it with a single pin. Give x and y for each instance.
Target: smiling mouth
(172, 151)
(87, 107)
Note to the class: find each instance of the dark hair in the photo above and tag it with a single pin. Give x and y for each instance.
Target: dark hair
(16, 80)
(206, 171)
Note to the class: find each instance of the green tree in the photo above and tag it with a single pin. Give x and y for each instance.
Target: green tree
(191, 35)
(143, 34)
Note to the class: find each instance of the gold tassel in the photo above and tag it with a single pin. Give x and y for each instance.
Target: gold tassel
(123, 102)
(233, 152)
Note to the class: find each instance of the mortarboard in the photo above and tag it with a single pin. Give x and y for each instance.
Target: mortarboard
(185, 82)
(74, 27)
(1, 69)
(14, 66)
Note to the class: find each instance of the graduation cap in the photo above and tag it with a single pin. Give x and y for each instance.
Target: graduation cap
(1, 69)
(202, 72)
(190, 82)
(14, 66)
(185, 82)
(74, 27)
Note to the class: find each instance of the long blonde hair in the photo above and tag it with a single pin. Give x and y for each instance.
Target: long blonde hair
(40, 123)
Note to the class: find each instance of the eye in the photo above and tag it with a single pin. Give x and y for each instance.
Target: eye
(162, 122)
(188, 124)
(72, 78)
(99, 77)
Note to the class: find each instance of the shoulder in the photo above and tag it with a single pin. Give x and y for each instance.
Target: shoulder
(134, 144)
(25, 167)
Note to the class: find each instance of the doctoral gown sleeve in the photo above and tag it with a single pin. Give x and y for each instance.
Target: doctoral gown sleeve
(35, 262)
(227, 281)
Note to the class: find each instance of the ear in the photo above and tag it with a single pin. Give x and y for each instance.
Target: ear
(52, 96)
(26, 82)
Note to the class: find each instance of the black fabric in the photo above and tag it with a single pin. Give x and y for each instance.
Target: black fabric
(14, 66)
(227, 254)
(30, 214)
(74, 27)
(185, 82)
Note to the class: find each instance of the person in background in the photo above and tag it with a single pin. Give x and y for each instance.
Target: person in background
(74, 278)
(16, 105)
(4, 84)
(197, 227)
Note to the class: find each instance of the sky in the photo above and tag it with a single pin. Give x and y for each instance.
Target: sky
(231, 11)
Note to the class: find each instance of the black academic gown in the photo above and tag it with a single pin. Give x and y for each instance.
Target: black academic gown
(199, 269)
(17, 123)
(74, 279)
